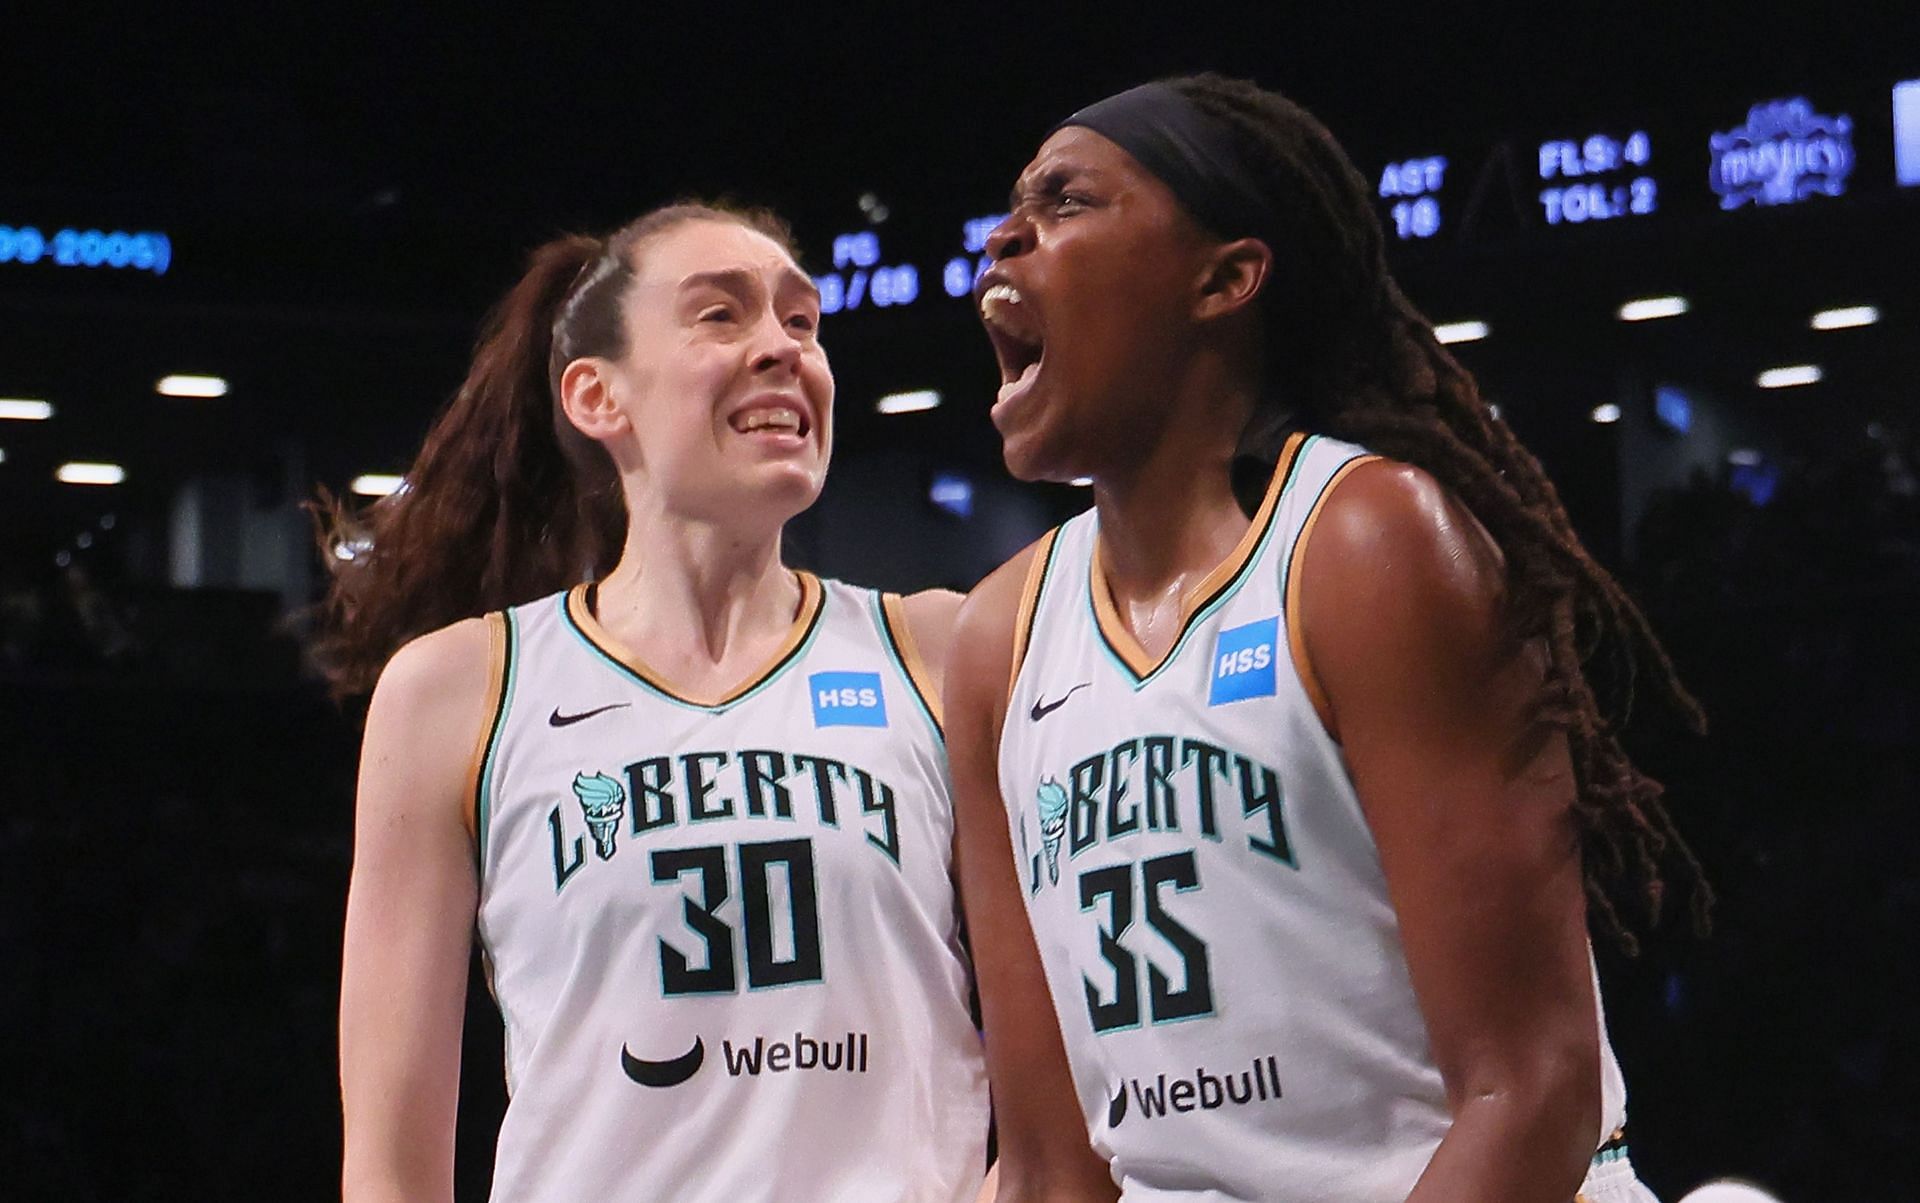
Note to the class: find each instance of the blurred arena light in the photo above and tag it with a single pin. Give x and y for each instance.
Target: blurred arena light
(952, 492)
(1906, 132)
(1461, 332)
(376, 484)
(1646, 309)
(1605, 414)
(908, 402)
(82, 472)
(24, 409)
(1729, 1190)
(1789, 376)
(1846, 318)
(191, 386)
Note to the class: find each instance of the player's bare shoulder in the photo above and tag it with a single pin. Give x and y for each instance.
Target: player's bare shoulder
(429, 711)
(985, 631)
(930, 616)
(436, 671)
(995, 601)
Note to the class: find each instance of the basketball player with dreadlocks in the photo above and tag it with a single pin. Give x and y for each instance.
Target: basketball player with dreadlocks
(1289, 771)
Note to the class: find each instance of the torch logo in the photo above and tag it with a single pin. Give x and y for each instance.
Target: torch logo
(603, 802)
(1053, 824)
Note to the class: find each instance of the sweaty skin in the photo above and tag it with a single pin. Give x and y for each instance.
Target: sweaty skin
(1433, 699)
(1148, 350)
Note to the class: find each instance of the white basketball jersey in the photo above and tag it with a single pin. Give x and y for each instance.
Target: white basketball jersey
(723, 937)
(1205, 891)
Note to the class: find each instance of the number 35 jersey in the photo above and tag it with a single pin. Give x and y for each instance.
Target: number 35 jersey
(723, 937)
(1204, 889)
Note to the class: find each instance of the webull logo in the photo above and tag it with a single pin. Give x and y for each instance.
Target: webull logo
(1203, 1091)
(802, 1053)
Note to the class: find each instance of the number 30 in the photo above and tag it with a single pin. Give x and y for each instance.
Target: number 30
(763, 970)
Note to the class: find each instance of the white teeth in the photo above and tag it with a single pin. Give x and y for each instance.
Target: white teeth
(767, 419)
(997, 300)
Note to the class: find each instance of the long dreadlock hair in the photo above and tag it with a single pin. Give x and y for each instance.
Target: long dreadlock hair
(1350, 356)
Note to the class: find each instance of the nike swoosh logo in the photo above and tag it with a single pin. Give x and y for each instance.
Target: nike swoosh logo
(1043, 709)
(664, 1073)
(1117, 1106)
(557, 719)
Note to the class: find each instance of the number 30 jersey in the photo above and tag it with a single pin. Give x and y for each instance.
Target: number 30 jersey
(1204, 890)
(723, 937)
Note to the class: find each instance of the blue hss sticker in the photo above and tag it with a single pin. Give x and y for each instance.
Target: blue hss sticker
(1243, 662)
(847, 700)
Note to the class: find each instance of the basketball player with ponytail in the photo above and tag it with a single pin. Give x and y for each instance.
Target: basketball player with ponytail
(691, 802)
(1288, 774)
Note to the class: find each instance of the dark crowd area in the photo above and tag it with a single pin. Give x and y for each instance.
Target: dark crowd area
(175, 848)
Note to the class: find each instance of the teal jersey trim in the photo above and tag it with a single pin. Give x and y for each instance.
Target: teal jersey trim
(1220, 598)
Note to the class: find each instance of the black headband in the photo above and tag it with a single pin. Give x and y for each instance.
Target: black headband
(1189, 150)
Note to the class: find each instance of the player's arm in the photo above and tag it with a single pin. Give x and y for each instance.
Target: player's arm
(990, 1189)
(410, 912)
(1044, 1151)
(926, 643)
(1469, 797)
(931, 614)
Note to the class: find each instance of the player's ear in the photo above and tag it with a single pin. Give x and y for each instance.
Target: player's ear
(586, 397)
(1232, 277)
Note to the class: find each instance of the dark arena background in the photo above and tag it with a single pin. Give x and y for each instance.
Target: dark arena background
(244, 253)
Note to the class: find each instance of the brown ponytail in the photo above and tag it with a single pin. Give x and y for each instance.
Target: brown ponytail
(506, 501)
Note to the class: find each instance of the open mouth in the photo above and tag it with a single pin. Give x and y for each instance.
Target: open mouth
(1018, 341)
(774, 419)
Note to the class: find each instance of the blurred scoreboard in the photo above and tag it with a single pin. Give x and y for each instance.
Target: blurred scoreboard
(1770, 153)
(1744, 155)
(863, 278)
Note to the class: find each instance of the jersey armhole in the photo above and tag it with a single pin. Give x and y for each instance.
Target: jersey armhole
(899, 636)
(1037, 570)
(1296, 637)
(500, 665)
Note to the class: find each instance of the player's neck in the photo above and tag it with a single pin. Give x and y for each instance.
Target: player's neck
(1170, 516)
(696, 595)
